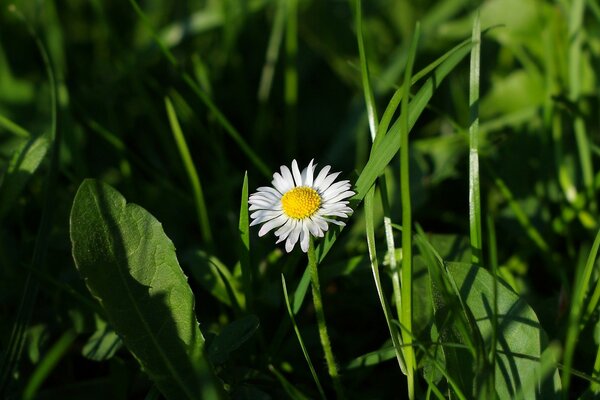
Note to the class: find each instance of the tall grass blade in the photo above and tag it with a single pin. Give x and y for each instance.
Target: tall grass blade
(192, 174)
(370, 230)
(248, 274)
(474, 191)
(407, 267)
(300, 340)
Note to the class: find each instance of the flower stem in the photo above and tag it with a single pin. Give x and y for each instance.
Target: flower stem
(316, 291)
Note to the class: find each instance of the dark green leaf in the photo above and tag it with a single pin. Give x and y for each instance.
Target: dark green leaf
(130, 267)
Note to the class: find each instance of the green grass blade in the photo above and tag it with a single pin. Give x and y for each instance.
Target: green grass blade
(407, 268)
(48, 363)
(364, 72)
(370, 230)
(14, 128)
(474, 192)
(580, 288)
(192, 173)
(300, 340)
(244, 229)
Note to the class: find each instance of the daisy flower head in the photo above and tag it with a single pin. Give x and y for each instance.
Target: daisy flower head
(300, 204)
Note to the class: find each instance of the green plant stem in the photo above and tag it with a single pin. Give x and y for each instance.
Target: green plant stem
(325, 342)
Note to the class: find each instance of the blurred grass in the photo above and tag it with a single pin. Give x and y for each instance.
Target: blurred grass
(257, 83)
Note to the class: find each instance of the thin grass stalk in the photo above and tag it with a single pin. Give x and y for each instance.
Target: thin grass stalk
(192, 174)
(406, 275)
(387, 222)
(474, 191)
(323, 334)
(370, 230)
(300, 340)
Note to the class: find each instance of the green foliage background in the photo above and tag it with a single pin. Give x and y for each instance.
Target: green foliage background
(172, 103)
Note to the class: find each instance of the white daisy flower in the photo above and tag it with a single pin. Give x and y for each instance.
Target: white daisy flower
(300, 204)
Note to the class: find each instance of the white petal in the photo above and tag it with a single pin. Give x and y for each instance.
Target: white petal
(274, 223)
(268, 189)
(313, 227)
(308, 173)
(287, 175)
(280, 183)
(318, 219)
(304, 238)
(283, 232)
(293, 238)
(340, 196)
(334, 221)
(296, 173)
(321, 176)
(327, 182)
(335, 188)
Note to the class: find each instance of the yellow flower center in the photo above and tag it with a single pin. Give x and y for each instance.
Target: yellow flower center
(300, 202)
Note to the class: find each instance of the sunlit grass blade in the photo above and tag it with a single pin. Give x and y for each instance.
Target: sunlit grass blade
(48, 364)
(407, 267)
(192, 173)
(220, 117)
(244, 245)
(474, 191)
(583, 275)
(14, 347)
(370, 230)
(300, 340)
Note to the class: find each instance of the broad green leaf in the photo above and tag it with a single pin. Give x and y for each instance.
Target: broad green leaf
(21, 167)
(232, 337)
(129, 265)
(519, 333)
